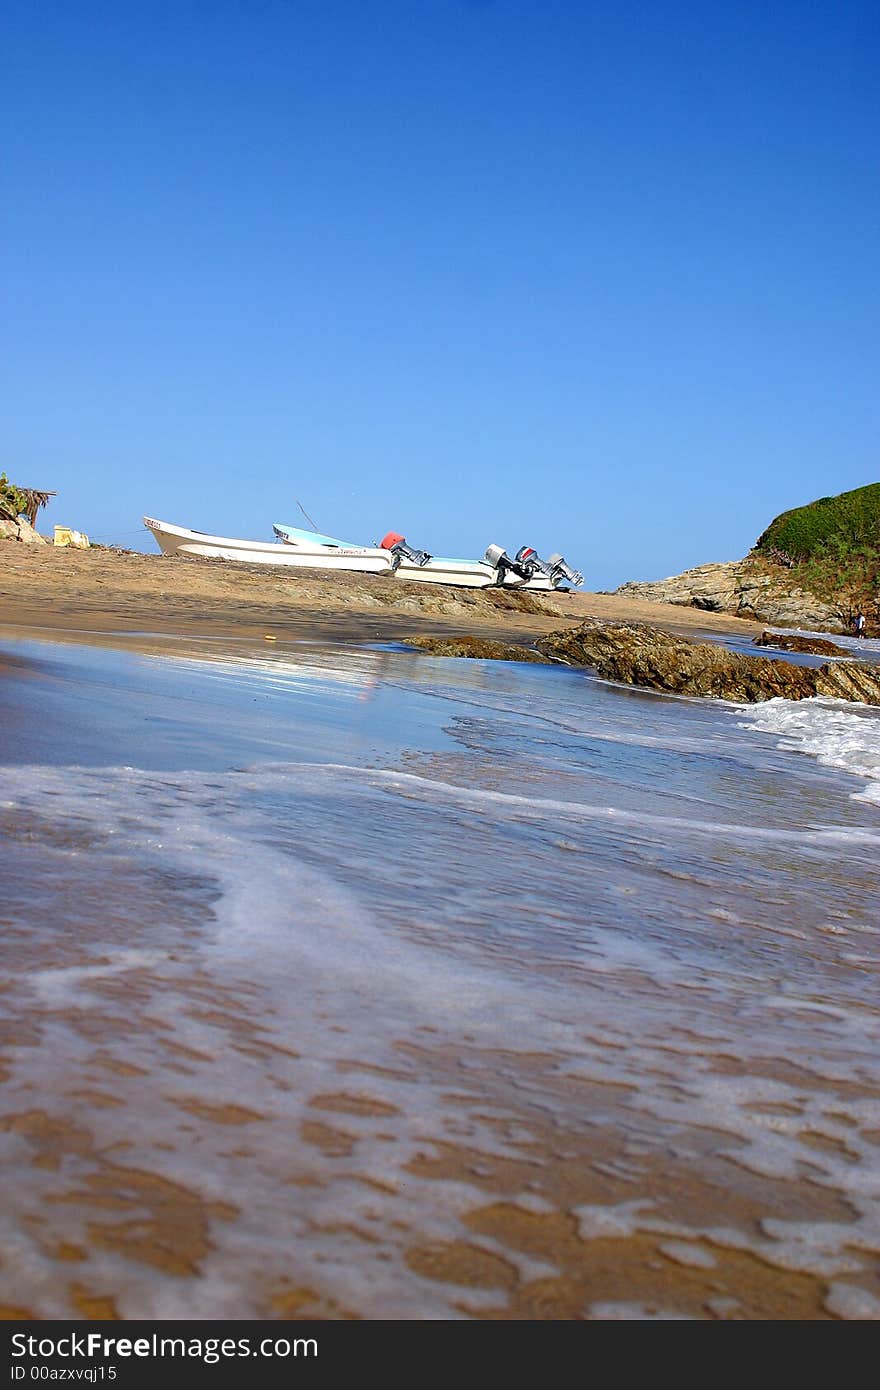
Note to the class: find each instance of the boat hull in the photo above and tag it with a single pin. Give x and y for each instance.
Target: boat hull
(306, 552)
(178, 540)
(467, 574)
(463, 574)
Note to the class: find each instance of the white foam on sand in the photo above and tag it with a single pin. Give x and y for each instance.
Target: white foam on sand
(526, 807)
(285, 989)
(632, 1312)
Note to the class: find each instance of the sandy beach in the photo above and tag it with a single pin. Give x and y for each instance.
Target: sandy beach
(507, 1173)
(376, 949)
(113, 591)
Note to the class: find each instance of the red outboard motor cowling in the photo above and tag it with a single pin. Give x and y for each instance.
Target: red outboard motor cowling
(529, 562)
(391, 540)
(401, 551)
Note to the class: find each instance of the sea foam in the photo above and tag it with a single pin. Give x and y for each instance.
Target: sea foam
(342, 1026)
(836, 734)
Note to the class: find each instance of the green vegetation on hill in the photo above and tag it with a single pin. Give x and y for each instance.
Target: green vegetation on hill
(848, 522)
(831, 547)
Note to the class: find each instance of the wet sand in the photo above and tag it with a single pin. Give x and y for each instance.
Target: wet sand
(545, 1265)
(547, 1232)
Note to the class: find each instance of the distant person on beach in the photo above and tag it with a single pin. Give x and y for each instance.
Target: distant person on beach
(860, 625)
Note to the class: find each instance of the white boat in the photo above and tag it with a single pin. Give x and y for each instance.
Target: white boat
(525, 571)
(311, 550)
(178, 540)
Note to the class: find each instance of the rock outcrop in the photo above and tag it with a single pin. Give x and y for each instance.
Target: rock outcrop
(746, 588)
(480, 648)
(791, 642)
(20, 530)
(637, 654)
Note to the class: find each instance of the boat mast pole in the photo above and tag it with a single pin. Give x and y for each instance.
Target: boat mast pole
(305, 514)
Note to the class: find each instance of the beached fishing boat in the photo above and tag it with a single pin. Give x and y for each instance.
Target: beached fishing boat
(526, 570)
(311, 550)
(179, 540)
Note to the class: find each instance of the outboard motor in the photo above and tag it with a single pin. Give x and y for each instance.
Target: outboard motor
(559, 571)
(530, 562)
(496, 556)
(498, 559)
(401, 551)
(525, 564)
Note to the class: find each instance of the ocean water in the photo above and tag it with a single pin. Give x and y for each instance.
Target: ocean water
(354, 982)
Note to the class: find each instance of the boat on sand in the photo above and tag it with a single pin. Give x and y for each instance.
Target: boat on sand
(296, 548)
(179, 540)
(526, 570)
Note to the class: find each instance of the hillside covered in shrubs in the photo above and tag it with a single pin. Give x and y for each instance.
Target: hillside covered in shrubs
(814, 567)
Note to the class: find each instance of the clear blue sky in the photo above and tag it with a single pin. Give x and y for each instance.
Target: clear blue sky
(600, 277)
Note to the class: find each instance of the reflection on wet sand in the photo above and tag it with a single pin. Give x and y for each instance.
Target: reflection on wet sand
(538, 1017)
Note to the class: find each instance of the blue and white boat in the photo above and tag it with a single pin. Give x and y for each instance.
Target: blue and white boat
(296, 548)
(526, 570)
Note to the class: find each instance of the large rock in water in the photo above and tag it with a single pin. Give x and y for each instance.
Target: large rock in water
(793, 642)
(746, 588)
(637, 654)
(479, 648)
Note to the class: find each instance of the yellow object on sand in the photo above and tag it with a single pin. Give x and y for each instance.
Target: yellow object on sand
(65, 535)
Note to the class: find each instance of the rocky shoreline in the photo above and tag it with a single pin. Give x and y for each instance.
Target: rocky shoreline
(792, 642)
(749, 588)
(637, 654)
(641, 655)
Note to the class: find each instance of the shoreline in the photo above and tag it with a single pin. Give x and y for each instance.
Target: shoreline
(76, 593)
(547, 1231)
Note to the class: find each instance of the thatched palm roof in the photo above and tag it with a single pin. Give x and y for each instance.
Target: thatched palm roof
(35, 500)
